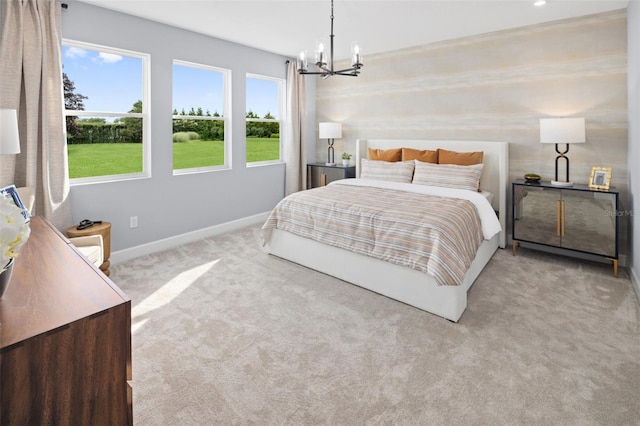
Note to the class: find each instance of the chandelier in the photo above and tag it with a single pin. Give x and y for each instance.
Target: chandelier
(326, 68)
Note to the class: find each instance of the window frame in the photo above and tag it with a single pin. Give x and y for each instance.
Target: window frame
(144, 115)
(281, 111)
(225, 117)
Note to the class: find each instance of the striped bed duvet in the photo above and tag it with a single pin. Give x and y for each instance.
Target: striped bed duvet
(430, 229)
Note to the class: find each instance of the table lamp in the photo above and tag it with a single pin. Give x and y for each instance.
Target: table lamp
(330, 131)
(566, 131)
(9, 137)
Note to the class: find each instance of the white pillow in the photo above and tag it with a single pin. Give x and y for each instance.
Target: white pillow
(397, 171)
(448, 175)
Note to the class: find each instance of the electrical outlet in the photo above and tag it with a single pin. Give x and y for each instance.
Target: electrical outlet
(133, 222)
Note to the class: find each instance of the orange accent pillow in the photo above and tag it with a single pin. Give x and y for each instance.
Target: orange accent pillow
(426, 156)
(459, 158)
(394, 154)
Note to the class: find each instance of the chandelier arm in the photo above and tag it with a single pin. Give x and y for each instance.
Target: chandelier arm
(324, 68)
(326, 74)
(351, 69)
(312, 72)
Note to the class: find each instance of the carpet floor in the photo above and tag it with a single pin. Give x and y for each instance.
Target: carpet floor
(224, 334)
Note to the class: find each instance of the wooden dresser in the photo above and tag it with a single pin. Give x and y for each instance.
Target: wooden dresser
(65, 339)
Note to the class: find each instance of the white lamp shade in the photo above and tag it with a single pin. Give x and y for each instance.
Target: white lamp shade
(562, 130)
(9, 138)
(330, 130)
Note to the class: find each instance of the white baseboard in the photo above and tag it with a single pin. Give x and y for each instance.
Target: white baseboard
(171, 242)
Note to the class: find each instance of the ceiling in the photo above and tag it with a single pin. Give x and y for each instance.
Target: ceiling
(287, 27)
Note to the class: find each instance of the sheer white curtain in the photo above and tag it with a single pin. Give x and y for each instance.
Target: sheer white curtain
(295, 146)
(31, 82)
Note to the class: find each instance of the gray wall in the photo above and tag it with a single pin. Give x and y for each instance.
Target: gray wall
(633, 13)
(497, 86)
(168, 205)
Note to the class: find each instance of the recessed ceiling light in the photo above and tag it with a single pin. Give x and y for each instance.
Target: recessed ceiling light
(540, 3)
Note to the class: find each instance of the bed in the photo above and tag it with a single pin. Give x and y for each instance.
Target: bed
(405, 284)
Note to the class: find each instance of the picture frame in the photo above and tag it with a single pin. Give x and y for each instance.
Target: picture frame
(11, 192)
(600, 178)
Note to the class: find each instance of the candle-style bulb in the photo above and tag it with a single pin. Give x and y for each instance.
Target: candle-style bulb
(302, 61)
(321, 57)
(356, 55)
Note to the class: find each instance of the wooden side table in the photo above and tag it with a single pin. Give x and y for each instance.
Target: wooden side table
(103, 229)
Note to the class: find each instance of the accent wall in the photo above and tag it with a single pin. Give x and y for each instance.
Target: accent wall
(497, 86)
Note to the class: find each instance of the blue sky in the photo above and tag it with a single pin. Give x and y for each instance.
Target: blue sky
(262, 96)
(113, 83)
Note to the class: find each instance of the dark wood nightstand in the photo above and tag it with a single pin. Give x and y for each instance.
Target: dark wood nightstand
(575, 219)
(319, 174)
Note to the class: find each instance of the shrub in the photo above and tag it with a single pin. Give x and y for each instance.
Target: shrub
(180, 137)
(275, 135)
(185, 136)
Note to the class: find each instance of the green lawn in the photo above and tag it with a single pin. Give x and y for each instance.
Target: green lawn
(187, 155)
(262, 149)
(101, 159)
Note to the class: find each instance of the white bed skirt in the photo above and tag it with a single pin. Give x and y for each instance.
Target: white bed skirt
(397, 282)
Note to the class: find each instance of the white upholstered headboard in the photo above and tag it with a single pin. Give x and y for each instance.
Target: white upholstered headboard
(495, 173)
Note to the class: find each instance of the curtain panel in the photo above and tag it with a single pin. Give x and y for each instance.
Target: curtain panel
(295, 145)
(31, 83)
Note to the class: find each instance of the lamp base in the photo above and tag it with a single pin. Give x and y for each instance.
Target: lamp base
(561, 183)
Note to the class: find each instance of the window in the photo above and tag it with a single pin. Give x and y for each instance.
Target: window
(106, 101)
(200, 113)
(264, 118)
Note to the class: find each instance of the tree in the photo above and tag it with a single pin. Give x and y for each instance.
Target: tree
(132, 131)
(261, 129)
(72, 101)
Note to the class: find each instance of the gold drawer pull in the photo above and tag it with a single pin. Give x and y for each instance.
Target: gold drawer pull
(558, 217)
(562, 218)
